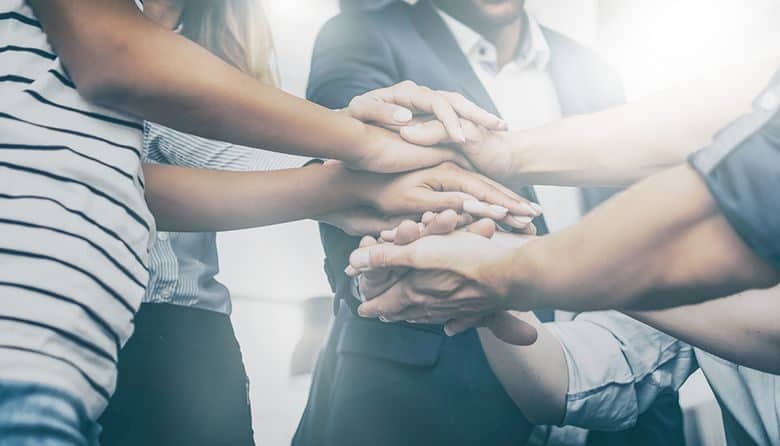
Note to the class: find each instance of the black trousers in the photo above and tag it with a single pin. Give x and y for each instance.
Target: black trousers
(181, 382)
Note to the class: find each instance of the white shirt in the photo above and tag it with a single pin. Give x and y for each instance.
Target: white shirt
(524, 93)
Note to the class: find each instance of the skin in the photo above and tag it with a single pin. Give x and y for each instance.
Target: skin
(194, 200)
(615, 147)
(529, 361)
(500, 22)
(742, 329)
(185, 87)
(643, 259)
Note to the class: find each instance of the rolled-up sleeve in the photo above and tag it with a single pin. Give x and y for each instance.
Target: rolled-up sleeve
(163, 145)
(617, 367)
(742, 171)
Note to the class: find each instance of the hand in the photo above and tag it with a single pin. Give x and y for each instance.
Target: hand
(395, 107)
(382, 150)
(478, 284)
(447, 186)
(399, 284)
(485, 149)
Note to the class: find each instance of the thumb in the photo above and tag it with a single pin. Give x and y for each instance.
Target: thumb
(381, 256)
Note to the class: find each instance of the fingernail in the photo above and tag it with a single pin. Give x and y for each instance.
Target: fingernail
(474, 207)
(499, 209)
(350, 271)
(359, 259)
(459, 136)
(502, 124)
(520, 221)
(402, 115)
(389, 235)
(539, 210)
(529, 209)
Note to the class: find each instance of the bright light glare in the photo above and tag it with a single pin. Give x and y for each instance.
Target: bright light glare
(657, 43)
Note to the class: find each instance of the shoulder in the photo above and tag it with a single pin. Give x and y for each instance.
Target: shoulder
(359, 24)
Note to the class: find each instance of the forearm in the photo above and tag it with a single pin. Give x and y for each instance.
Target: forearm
(624, 144)
(661, 243)
(183, 199)
(742, 328)
(535, 376)
(155, 74)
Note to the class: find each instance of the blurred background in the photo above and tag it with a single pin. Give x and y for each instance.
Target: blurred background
(280, 291)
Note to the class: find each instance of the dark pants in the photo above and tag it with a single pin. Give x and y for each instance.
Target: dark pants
(181, 382)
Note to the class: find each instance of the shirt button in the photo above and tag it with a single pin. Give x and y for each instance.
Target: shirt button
(162, 236)
(166, 293)
(769, 101)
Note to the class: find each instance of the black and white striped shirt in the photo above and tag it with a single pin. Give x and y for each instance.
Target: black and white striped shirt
(74, 226)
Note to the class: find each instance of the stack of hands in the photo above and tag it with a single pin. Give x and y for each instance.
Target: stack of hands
(427, 222)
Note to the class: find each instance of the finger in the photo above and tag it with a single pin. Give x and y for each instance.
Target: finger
(368, 109)
(486, 210)
(453, 178)
(428, 217)
(419, 98)
(472, 112)
(442, 223)
(510, 329)
(517, 222)
(391, 302)
(457, 326)
(407, 232)
(485, 227)
(426, 134)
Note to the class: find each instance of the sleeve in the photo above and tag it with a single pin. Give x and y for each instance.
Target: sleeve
(351, 57)
(617, 368)
(167, 146)
(742, 170)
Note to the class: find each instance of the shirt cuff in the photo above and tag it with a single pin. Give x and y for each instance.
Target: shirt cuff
(601, 394)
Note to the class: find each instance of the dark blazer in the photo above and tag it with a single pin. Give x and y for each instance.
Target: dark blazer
(399, 384)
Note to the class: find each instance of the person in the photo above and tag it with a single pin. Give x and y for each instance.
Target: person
(503, 60)
(76, 223)
(602, 370)
(717, 216)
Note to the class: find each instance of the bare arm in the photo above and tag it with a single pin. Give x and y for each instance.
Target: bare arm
(535, 376)
(743, 329)
(627, 143)
(122, 60)
(661, 243)
(618, 146)
(184, 199)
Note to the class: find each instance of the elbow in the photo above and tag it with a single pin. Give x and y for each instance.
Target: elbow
(105, 76)
(104, 89)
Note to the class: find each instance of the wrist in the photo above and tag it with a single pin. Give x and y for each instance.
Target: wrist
(520, 277)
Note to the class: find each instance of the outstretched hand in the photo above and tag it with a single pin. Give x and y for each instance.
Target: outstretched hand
(426, 120)
(383, 198)
(395, 294)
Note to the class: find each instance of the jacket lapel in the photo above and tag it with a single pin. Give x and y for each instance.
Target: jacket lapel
(442, 43)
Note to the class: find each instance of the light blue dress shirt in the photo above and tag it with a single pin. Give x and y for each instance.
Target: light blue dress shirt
(183, 266)
(618, 366)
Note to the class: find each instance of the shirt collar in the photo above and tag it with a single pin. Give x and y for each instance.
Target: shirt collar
(534, 52)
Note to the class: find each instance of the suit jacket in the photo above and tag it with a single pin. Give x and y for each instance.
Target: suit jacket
(372, 376)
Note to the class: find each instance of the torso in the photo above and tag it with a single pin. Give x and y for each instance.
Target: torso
(76, 227)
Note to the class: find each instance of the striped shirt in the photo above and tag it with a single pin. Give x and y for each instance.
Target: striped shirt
(75, 226)
(183, 265)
